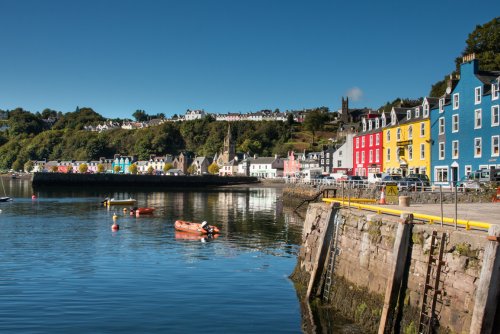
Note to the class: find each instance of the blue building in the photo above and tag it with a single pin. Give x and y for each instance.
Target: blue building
(465, 128)
(123, 162)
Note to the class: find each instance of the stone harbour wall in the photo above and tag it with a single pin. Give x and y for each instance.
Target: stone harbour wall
(365, 265)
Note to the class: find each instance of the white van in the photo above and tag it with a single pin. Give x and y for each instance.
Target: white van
(374, 177)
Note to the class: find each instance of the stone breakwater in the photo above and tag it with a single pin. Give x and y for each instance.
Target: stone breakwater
(379, 273)
(130, 180)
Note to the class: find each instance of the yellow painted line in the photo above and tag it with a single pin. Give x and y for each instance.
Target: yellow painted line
(366, 200)
(430, 218)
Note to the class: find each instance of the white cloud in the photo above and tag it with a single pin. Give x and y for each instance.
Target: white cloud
(355, 94)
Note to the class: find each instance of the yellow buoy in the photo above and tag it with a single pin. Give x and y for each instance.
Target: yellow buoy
(115, 217)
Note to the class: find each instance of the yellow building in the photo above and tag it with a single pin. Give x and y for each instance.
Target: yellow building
(407, 139)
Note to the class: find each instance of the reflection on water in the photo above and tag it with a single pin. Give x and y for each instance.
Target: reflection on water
(63, 269)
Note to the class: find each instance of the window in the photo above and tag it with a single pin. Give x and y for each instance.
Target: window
(371, 156)
(362, 141)
(408, 114)
(398, 134)
(383, 120)
(422, 129)
(369, 124)
(454, 123)
(410, 132)
(495, 117)
(364, 125)
(410, 152)
(441, 105)
(468, 170)
(477, 119)
(377, 139)
(422, 151)
(388, 135)
(454, 149)
(441, 151)
(371, 140)
(357, 142)
(377, 157)
(340, 153)
(495, 91)
(363, 157)
(441, 174)
(377, 123)
(426, 110)
(357, 157)
(388, 154)
(477, 147)
(339, 163)
(441, 126)
(456, 101)
(477, 95)
(495, 145)
(393, 118)
(417, 112)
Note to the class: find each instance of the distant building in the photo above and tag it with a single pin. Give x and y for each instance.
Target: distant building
(191, 115)
(266, 167)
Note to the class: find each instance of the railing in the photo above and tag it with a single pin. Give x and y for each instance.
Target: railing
(467, 224)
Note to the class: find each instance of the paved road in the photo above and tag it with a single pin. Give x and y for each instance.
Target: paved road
(483, 212)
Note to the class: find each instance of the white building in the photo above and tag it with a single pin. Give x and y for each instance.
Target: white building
(191, 115)
(266, 167)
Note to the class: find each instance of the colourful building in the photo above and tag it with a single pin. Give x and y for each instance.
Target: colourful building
(367, 148)
(465, 125)
(407, 139)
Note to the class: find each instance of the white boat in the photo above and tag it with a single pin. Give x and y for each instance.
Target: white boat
(112, 201)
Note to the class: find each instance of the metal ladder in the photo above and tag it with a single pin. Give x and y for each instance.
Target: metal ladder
(432, 281)
(332, 257)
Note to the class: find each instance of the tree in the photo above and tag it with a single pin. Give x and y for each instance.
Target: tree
(69, 169)
(167, 166)
(132, 169)
(28, 166)
(191, 169)
(100, 168)
(117, 169)
(213, 168)
(150, 170)
(140, 115)
(314, 121)
(17, 166)
(83, 168)
(484, 41)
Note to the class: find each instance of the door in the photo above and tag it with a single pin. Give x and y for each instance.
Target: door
(454, 175)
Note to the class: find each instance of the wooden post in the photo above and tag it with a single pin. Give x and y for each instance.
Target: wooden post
(399, 258)
(488, 292)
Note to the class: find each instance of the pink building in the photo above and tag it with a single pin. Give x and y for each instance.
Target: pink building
(291, 167)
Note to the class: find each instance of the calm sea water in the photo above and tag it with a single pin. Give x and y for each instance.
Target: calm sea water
(63, 270)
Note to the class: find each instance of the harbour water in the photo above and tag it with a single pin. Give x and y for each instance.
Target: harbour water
(64, 270)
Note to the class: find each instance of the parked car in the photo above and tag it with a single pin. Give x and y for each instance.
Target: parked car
(374, 177)
(410, 184)
(468, 183)
(355, 181)
(422, 177)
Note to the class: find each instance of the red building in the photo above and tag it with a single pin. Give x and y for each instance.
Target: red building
(367, 148)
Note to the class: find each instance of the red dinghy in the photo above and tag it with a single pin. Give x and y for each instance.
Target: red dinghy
(202, 228)
(141, 211)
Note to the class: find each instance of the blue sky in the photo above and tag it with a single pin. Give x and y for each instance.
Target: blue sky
(117, 56)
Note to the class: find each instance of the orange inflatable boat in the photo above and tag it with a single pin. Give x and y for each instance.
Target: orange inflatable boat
(200, 228)
(141, 211)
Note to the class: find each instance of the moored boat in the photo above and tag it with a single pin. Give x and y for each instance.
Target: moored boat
(141, 211)
(180, 235)
(200, 228)
(5, 199)
(112, 201)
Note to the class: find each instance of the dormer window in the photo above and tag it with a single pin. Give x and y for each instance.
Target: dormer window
(369, 125)
(441, 105)
(417, 112)
(383, 120)
(408, 114)
(377, 123)
(393, 118)
(426, 110)
(477, 95)
(364, 125)
(456, 101)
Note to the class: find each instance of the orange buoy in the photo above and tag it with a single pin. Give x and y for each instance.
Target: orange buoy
(33, 196)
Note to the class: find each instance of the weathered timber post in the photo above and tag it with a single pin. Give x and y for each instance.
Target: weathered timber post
(322, 248)
(399, 258)
(488, 293)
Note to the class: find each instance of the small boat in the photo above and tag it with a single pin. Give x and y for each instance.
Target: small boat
(112, 201)
(5, 199)
(179, 235)
(141, 211)
(199, 228)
